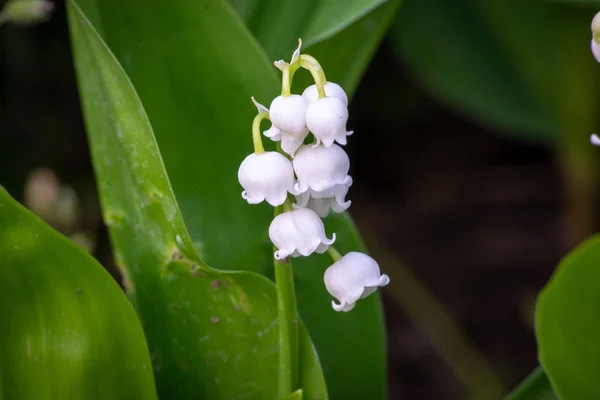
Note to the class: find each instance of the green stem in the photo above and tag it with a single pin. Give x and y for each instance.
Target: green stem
(334, 254)
(310, 63)
(256, 138)
(286, 81)
(288, 327)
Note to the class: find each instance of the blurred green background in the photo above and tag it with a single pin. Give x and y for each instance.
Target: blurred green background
(471, 162)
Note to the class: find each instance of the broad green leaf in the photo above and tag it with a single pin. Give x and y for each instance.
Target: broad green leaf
(67, 330)
(277, 25)
(346, 55)
(195, 67)
(459, 56)
(211, 334)
(568, 324)
(535, 387)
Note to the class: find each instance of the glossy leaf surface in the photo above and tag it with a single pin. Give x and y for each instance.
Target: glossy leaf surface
(535, 387)
(568, 324)
(67, 330)
(211, 334)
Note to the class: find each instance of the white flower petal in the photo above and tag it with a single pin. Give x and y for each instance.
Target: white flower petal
(353, 277)
(267, 176)
(595, 50)
(288, 113)
(321, 168)
(595, 139)
(326, 118)
(298, 232)
(331, 90)
(291, 143)
(273, 133)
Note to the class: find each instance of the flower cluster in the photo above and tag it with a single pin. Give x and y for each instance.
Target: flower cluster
(307, 178)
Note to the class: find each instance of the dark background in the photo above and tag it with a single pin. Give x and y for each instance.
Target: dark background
(477, 218)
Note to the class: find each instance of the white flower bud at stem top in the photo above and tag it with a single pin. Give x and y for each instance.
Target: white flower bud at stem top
(266, 176)
(288, 116)
(331, 90)
(321, 169)
(298, 232)
(326, 118)
(353, 277)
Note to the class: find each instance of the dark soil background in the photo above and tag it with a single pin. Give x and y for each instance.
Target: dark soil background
(475, 215)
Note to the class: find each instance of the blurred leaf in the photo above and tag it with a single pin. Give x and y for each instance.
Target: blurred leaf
(67, 330)
(211, 334)
(568, 324)
(480, 67)
(277, 25)
(346, 55)
(199, 105)
(535, 387)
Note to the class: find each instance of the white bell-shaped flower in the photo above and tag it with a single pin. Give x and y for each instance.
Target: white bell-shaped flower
(266, 176)
(331, 90)
(323, 171)
(326, 118)
(323, 202)
(595, 139)
(353, 277)
(298, 232)
(595, 45)
(288, 118)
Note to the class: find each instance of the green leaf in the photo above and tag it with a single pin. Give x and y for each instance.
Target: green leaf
(470, 61)
(568, 324)
(211, 334)
(346, 55)
(67, 330)
(198, 100)
(277, 25)
(535, 387)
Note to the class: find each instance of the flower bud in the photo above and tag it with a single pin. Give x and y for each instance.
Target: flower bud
(326, 118)
(298, 232)
(267, 176)
(321, 169)
(353, 277)
(331, 90)
(288, 116)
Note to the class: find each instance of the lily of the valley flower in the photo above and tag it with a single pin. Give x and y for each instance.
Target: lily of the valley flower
(595, 139)
(267, 176)
(298, 232)
(324, 202)
(596, 37)
(323, 171)
(331, 90)
(353, 277)
(288, 118)
(326, 118)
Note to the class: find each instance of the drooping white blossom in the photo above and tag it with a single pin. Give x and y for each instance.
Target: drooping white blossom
(326, 118)
(353, 277)
(325, 201)
(331, 90)
(288, 118)
(323, 171)
(298, 232)
(595, 139)
(267, 176)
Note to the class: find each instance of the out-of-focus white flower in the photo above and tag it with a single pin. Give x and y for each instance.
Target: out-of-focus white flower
(353, 277)
(288, 116)
(266, 176)
(27, 11)
(324, 201)
(595, 44)
(322, 169)
(595, 139)
(298, 232)
(331, 90)
(326, 118)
